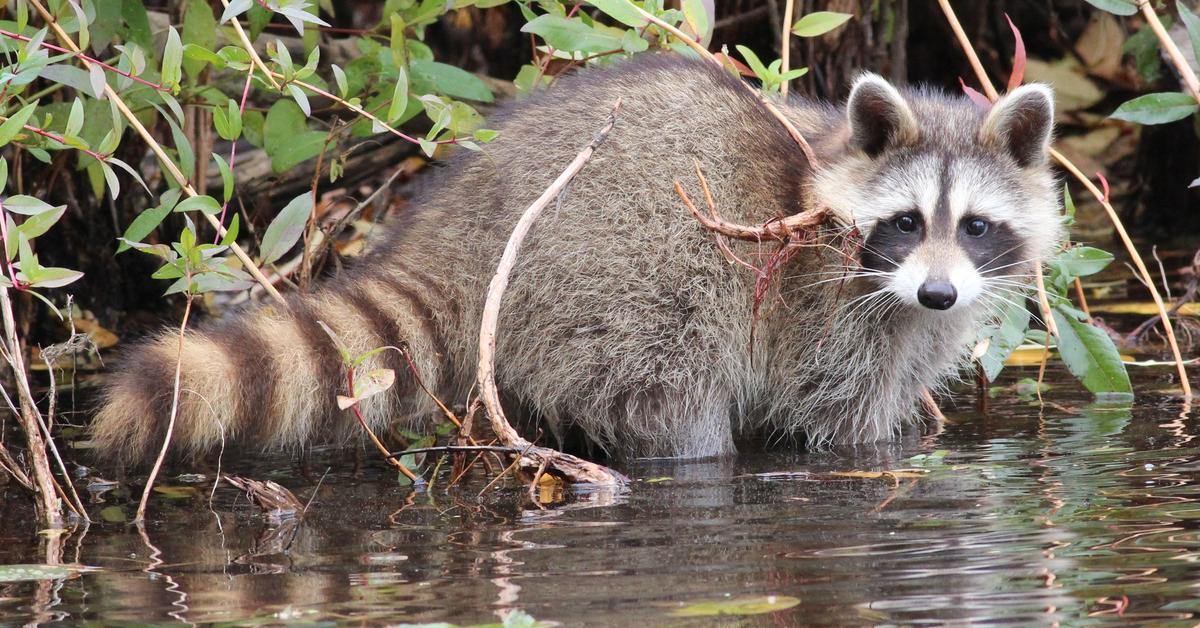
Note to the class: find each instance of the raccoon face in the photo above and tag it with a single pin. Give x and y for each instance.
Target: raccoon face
(955, 203)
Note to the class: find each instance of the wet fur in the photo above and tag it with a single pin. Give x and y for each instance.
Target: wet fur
(622, 319)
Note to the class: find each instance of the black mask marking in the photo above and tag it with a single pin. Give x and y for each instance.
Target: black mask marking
(888, 245)
(995, 251)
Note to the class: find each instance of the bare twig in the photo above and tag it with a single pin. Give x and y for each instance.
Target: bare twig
(1101, 197)
(74, 502)
(780, 229)
(576, 469)
(1177, 59)
(785, 45)
(48, 510)
(237, 27)
(162, 453)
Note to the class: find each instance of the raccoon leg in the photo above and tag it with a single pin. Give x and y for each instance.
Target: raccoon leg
(692, 423)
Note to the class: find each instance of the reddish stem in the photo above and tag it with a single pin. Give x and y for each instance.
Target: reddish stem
(98, 62)
(233, 147)
(61, 140)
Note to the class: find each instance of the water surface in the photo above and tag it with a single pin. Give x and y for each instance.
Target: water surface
(1072, 512)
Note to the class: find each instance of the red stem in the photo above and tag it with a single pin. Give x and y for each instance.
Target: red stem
(62, 140)
(233, 147)
(98, 62)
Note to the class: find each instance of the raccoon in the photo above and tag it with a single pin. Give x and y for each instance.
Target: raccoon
(624, 322)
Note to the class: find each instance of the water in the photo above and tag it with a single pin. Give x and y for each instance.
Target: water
(1074, 513)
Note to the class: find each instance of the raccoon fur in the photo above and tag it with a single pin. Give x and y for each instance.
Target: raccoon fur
(623, 320)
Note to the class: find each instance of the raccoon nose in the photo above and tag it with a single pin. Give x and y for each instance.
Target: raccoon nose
(937, 295)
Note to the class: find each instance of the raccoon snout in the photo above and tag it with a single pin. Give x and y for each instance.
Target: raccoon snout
(937, 295)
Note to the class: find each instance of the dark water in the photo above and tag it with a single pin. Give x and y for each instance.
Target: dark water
(1073, 512)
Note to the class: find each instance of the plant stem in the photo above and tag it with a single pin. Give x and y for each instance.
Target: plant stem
(1177, 59)
(49, 513)
(393, 460)
(991, 92)
(162, 453)
(785, 45)
(237, 27)
(486, 374)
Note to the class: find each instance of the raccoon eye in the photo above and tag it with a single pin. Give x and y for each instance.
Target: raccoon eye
(976, 227)
(906, 223)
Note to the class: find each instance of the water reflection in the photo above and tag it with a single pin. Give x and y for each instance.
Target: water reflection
(1069, 513)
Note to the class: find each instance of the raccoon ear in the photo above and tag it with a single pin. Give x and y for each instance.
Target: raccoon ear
(879, 117)
(1021, 124)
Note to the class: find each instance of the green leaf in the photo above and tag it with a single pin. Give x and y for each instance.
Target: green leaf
(287, 138)
(700, 15)
(141, 226)
(286, 228)
(1068, 206)
(172, 61)
(228, 121)
(204, 203)
(75, 119)
(15, 123)
(1116, 7)
(36, 225)
(53, 277)
(1192, 23)
(1004, 336)
(300, 97)
(1081, 261)
(1090, 354)
(572, 34)
(1157, 108)
(427, 147)
(819, 22)
(399, 98)
(339, 76)
(622, 11)
(737, 606)
(226, 177)
(452, 81)
(231, 232)
(27, 205)
(755, 64)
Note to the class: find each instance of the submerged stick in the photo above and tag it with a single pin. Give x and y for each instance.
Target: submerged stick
(1101, 197)
(571, 467)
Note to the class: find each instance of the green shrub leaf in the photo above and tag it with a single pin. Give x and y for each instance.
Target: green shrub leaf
(286, 228)
(1157, 108)
(819, 22)
(1090, 354)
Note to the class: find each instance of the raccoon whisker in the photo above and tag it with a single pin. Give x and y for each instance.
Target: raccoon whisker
(983, 267)
(992, 294)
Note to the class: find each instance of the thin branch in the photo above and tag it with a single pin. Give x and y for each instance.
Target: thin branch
(162, 453)
(48, 510)
(785, 46)
(1177, 59)
(392, 460)
(1102, 198)
(237, 27)
(575, 468)
(159, 152)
